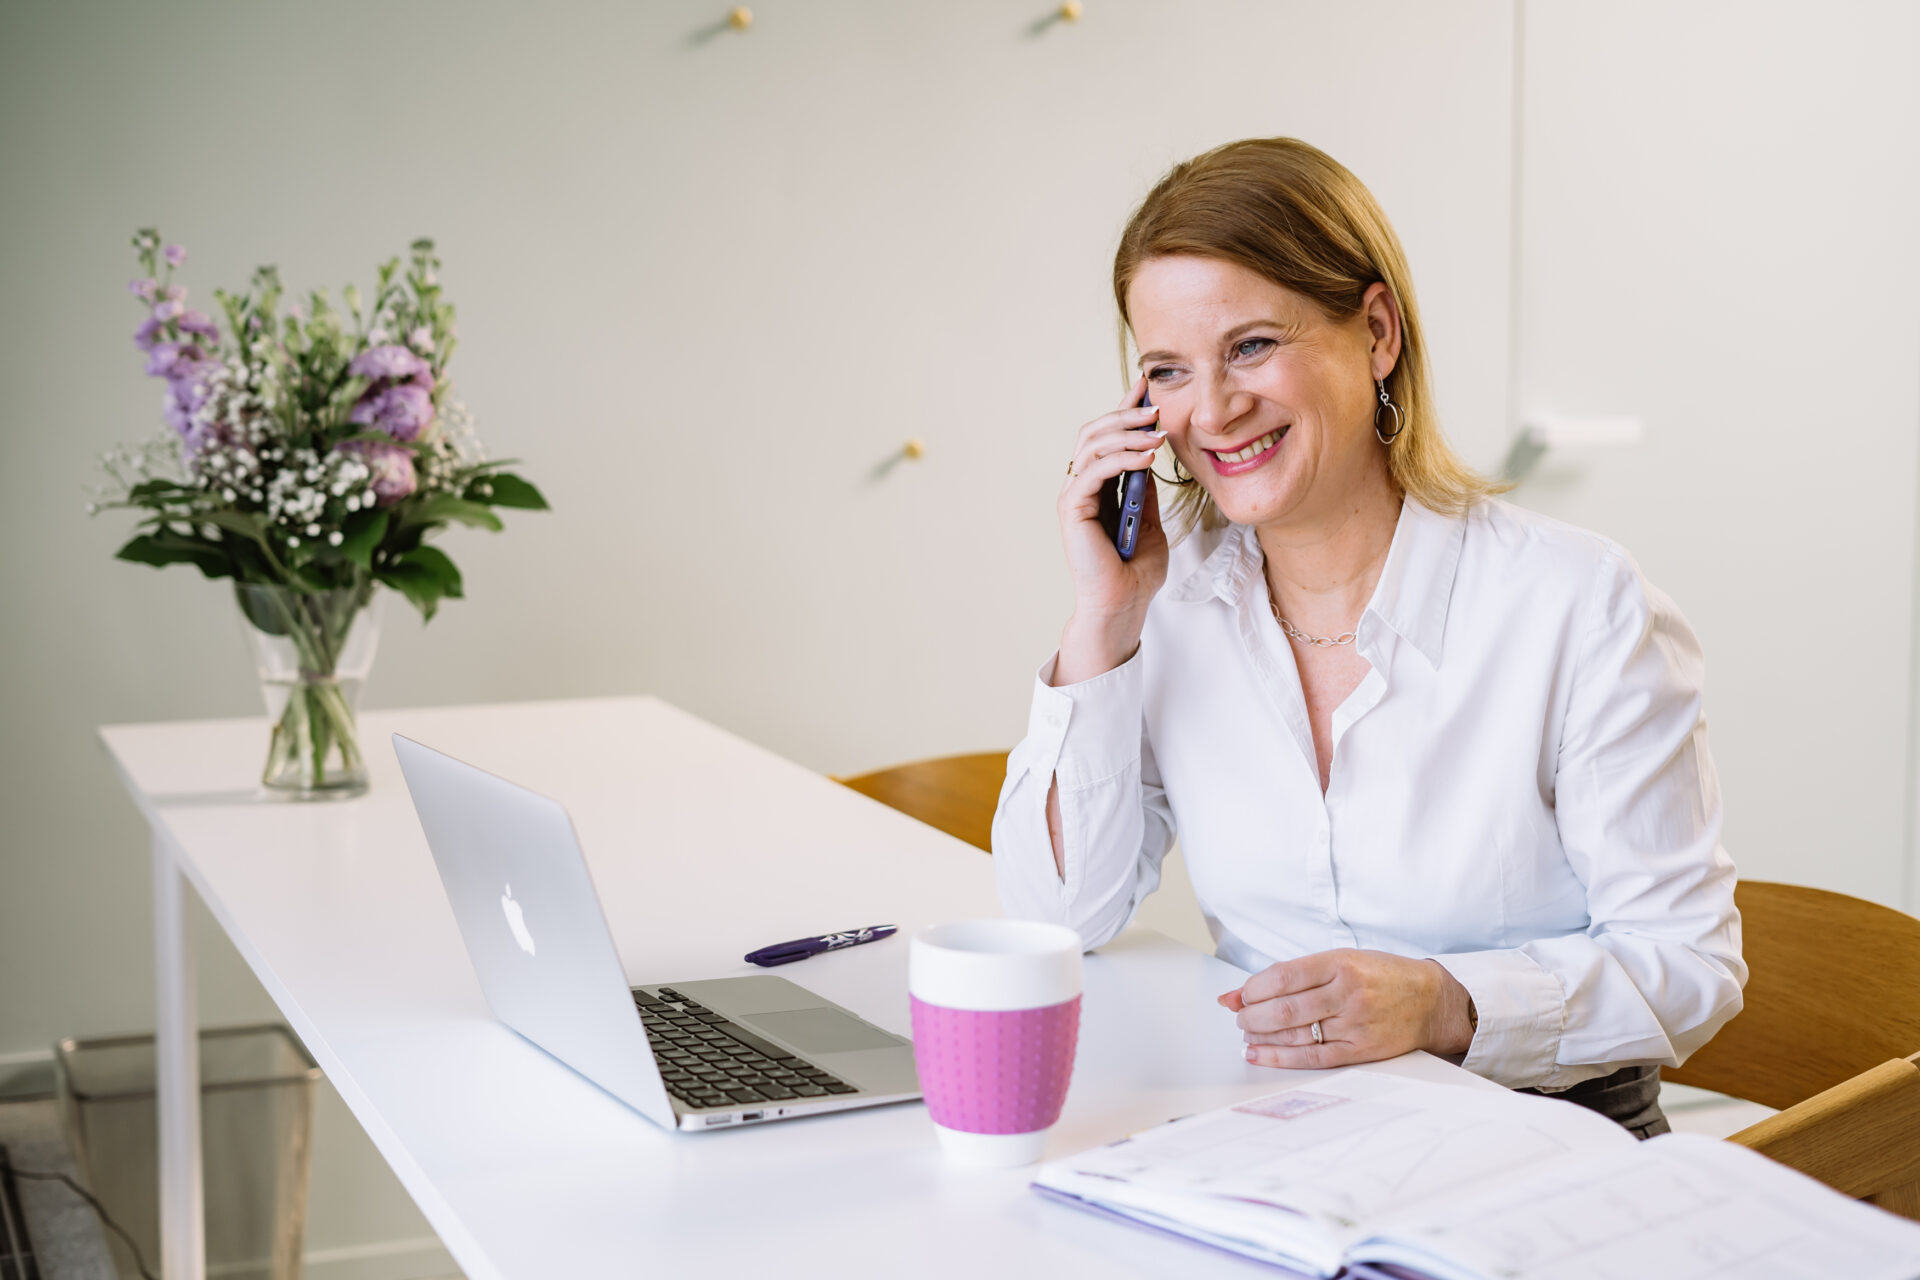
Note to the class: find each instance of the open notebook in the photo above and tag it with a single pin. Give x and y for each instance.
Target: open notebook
(1363, 1174)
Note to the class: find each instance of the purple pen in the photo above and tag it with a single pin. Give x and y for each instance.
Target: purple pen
(801, 948)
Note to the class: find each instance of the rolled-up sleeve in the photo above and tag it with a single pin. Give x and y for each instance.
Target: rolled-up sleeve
(1658, 969)
(1115, 823)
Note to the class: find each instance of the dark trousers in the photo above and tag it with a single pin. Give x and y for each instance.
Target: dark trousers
(1630, 1097)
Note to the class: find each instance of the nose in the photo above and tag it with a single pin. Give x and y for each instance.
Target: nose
(1216, 406)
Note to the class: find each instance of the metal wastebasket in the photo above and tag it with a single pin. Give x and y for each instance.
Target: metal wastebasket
(256, 1125)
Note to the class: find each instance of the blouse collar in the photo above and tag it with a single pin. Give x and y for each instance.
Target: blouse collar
(1412, 596)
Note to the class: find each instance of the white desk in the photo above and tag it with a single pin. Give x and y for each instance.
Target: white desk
(702, 847)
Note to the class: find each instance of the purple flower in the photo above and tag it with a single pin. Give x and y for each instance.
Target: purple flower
(169, 309)
(172, 359)
(189, 380)
(392, 467)
(199, 322)
(400, 411)
(176, 292)
(175, 255)
(148, 333)
(186, 392)
(146, 289)
(391, 361)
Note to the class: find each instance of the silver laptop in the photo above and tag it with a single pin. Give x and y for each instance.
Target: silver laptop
(690, 1055)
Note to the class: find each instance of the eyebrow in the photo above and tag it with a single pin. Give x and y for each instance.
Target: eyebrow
(1227, 337)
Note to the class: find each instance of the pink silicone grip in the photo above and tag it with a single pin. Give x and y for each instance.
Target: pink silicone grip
(999, 1072)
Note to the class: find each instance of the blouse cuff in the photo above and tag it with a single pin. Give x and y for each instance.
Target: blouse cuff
(1090, 731)
(1521, 1010)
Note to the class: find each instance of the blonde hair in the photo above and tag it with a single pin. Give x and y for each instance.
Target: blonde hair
(1294, 215)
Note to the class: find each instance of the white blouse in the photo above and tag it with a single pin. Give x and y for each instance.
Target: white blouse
(1520, 789)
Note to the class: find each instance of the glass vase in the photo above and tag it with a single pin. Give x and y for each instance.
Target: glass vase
(313, 650)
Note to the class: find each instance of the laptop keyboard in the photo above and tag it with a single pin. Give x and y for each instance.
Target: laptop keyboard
(708, 1061)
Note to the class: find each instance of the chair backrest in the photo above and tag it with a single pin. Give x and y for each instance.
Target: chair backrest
(1834, 991)
(957, 794)
(1861, 1137)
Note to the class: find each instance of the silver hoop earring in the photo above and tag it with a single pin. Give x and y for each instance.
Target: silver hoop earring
(1386, 437)
(1181, 476)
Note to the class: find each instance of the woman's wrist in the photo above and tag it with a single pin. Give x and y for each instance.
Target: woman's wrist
(1454, 1019)
(1090, 648)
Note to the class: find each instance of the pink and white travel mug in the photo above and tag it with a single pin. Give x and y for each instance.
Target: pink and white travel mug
(996, 1016)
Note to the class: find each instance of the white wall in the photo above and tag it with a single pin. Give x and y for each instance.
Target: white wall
(1720, 232)
(706, 286)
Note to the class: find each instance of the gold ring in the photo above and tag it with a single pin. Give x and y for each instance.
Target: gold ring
(1070, 470)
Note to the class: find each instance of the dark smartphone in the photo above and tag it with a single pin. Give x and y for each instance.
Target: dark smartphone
(1123, 504)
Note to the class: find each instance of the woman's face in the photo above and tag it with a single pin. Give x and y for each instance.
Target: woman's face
(1266, 401)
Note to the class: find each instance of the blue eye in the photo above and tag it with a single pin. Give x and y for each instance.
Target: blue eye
(1154, 374)
(1247, 347)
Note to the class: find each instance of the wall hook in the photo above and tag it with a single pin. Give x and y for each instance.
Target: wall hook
(1546, 432)
(738, 19)
(1069, 11)
(911, 451)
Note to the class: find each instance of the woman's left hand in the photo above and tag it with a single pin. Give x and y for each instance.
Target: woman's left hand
(1370, 1005)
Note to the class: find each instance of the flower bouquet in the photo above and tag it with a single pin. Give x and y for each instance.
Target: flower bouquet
(308, 457)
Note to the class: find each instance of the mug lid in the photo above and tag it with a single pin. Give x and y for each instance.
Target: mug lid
(992, 965)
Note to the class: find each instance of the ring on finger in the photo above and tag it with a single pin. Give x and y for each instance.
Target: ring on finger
(1070, 470)
(1319, 1037)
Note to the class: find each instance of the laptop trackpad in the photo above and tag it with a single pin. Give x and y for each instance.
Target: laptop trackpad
(822, 1031)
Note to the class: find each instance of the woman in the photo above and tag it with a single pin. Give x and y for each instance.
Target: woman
(1438, 764)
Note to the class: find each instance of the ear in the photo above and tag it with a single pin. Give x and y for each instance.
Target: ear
(1382, 314)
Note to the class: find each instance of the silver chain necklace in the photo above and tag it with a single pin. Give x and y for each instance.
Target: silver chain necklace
(1294, 633)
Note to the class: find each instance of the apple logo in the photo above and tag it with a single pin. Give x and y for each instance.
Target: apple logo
(516, 921)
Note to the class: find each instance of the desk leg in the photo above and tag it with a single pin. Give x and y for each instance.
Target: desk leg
(183, 1243)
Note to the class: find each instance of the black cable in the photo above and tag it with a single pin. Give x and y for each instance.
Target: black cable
(7, 1166)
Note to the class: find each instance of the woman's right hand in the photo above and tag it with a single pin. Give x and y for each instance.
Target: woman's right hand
(1110, 595)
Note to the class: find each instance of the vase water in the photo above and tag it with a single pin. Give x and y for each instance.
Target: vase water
(313, 650)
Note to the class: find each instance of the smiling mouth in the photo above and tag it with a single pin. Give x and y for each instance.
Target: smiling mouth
(1249, 452)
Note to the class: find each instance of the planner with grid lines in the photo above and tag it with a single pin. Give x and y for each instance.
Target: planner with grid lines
(1366, 1176)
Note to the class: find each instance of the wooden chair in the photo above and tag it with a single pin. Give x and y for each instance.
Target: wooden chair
(1829, 1033)
(957, 794)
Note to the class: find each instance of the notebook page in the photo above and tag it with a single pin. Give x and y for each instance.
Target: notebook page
(1681, 1207)
(1306, 1171)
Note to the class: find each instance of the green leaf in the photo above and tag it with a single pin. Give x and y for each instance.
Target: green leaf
(507, 490)
(149, 489)
(260, 611)
(424, 575)
(434, 561)
(363, 532)
(240, 522)
(444, 506)
(416, 584)
(164, 547)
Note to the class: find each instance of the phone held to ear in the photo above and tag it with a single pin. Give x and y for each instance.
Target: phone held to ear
(1123, 504)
